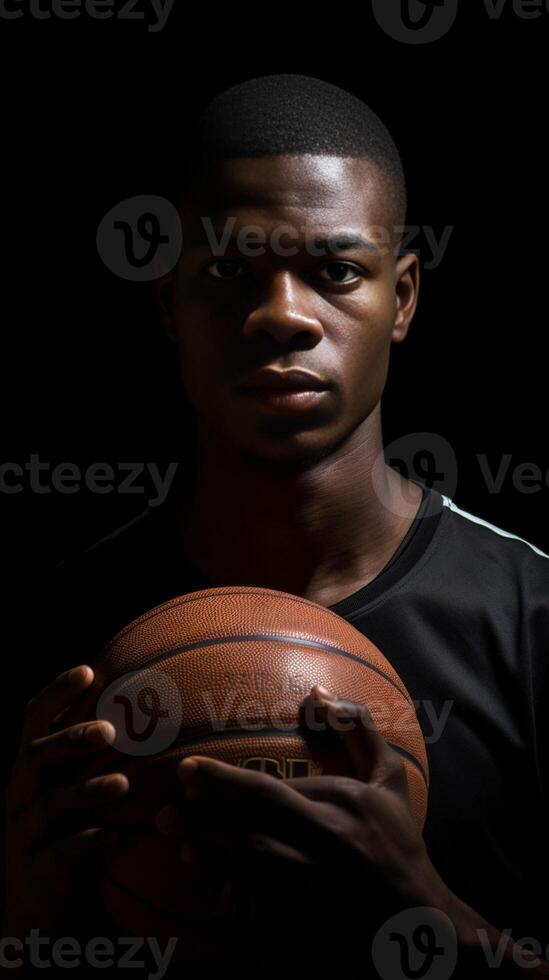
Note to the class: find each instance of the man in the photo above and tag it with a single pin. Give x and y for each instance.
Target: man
(284, 352)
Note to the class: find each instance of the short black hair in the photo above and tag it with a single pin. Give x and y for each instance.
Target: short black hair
(293, 114)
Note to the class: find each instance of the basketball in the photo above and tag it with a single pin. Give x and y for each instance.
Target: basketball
(224, 673)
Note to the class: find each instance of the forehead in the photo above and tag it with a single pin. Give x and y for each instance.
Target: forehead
(313, 191)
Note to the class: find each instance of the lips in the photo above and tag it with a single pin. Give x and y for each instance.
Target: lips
(292, 379)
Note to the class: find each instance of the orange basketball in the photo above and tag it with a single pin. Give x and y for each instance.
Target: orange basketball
(224, 673)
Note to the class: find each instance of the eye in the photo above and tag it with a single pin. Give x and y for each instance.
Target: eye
(342, 267)
(231, 266)
(228, 264)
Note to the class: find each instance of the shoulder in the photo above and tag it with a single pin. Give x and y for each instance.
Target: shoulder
(478, 528)
(494, 558)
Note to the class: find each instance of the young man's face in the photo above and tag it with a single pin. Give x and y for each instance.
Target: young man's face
(276, 298)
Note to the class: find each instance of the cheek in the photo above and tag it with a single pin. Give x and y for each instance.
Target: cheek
(367, 364)
(366, 386)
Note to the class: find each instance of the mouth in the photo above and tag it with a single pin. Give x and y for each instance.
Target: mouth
(296, 379)
(285, 399)
(285, 391)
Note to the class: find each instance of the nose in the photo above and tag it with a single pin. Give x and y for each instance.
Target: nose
(284, 314)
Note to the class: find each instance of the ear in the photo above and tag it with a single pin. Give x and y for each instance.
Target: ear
(407, 290)
(164, 297)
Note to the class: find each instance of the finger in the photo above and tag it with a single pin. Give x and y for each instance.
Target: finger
(171, 822)
(258, 849)
(267, 850)
(90, 843)
(71, 808)
(41, 757)
(339, 790)
(279, 873)
(269, 805)
(177, 820)
(234, 851)
(70, 743)
(370, 754)
(52, 700)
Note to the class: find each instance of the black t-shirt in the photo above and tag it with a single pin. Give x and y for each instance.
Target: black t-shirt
(461, 611)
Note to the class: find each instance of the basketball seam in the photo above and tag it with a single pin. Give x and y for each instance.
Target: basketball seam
(194, 596)
(280, 637)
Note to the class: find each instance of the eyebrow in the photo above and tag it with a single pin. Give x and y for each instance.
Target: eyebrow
(343, 242)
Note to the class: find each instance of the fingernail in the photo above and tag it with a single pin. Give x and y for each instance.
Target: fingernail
(188, 766)
(76, 673)
(323, 691)
(103, 732)
(113, 784)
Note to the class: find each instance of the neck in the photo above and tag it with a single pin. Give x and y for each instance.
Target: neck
(321, 531)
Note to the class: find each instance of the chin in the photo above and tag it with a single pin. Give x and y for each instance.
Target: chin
(293, 452)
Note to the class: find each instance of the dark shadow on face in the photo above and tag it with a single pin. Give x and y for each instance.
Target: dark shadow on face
(289, 262)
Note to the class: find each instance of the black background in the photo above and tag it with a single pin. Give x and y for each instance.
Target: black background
(98, 111)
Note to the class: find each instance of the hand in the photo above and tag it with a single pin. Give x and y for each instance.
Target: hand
(349, 844)
(53, 821)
